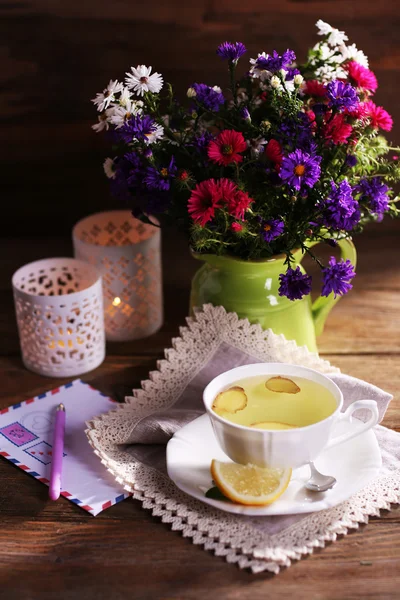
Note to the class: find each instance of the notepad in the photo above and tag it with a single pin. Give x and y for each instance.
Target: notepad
(26, 435)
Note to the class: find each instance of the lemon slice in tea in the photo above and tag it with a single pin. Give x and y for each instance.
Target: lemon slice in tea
(249, 484)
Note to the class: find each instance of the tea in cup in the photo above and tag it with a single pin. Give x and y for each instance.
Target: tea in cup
(279, 415)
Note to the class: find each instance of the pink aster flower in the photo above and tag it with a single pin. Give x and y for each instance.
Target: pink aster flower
(315, 88)
(379, 117)
(337, 130)
(205, 199)
(362, 77)
(226, 147)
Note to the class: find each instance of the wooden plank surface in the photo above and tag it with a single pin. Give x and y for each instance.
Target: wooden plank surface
(50, 550)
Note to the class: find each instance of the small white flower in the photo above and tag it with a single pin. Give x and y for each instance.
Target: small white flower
(275, 82)
(325, 51)
(352, 53)
(191, 93)
(121, 114)
(109, 168)
(103, 100)
(337, 37)
(328, 72)
(155, 135)
(298, 79)
(289, 86)
(217, 89)
(102, 123)
(323, 27)
(141, 80)
(256, 146)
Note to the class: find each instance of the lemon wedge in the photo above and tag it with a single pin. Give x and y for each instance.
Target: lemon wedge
(249, 484)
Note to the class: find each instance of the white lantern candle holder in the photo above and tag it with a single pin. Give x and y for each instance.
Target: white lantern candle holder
(127, 253)
(59, 308)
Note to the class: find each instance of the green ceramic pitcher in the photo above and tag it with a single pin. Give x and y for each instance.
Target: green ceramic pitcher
(250, 288)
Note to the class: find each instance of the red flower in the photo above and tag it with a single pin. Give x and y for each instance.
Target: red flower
(273, 151)
(236, 227)
(205, 199)
(183, 175)
(315, 88)
(362, 77)
(378, 116)
(225, 149)
(337, 130)
(238, 206)
(236, 201)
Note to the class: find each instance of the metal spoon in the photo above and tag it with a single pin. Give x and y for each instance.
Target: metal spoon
(319, 482)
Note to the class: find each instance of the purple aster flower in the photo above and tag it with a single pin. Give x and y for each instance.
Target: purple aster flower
(274, 62)
(271, 229)
(231, 51)
(340, 210)
(294, 284)
(291, 74)
(208, 96)
(298, 133)
(342, 95)
(337, 277)
(201, 142)
(244, 113)
(160, 179)
(134, 169)
(300, 168)
(374, 193)
(138, 127)
(351, 160)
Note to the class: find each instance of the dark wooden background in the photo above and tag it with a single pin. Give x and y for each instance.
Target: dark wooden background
(56, 54)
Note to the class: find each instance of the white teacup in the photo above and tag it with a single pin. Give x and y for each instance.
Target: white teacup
(287, 447)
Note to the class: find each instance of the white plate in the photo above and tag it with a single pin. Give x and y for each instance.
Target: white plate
(354, 464)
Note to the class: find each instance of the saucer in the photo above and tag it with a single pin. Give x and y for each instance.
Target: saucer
(354, 464)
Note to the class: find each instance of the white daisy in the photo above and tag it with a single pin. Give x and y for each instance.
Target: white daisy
(102, 123)
(124, 112)
(125, 97)
(256, 146)
(323, 27)
(103, 100)
(141, 80)
(352, 53)
(109, 168)
(155, 135)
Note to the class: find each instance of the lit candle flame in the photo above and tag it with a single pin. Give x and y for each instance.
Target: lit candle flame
(116, 301)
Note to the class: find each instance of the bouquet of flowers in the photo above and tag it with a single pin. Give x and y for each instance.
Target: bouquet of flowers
(289, 153)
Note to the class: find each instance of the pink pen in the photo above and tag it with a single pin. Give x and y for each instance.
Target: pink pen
(57, 455)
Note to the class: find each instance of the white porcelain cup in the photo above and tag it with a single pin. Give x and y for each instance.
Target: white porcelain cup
(286, 447)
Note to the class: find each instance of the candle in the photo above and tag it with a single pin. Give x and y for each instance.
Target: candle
(59, 309)
(127, 253)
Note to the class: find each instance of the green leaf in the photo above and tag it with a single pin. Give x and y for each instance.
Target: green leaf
(216, 494)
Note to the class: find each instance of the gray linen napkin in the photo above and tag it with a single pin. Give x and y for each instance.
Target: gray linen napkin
(158, 427)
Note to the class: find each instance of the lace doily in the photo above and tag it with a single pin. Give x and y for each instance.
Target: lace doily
(239, 539)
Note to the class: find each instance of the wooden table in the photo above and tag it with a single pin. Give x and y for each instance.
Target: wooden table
(56, 550)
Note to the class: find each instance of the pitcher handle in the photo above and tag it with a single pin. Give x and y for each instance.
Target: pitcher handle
(322, 305)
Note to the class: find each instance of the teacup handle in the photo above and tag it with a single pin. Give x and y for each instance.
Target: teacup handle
(370, 405)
